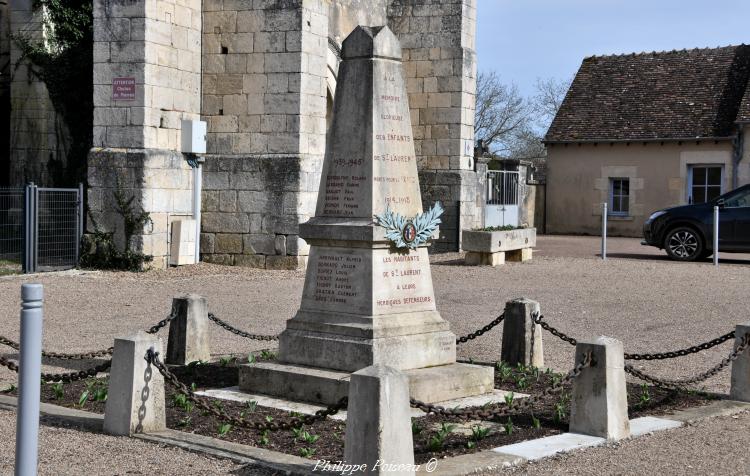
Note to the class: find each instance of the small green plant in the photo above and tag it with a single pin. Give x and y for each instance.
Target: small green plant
(479, 432)
(180, 400)
(218, 404)
(416, 429)
(504, 370)
(297, 432)
(509, 399)
(521, 381)
(437, 441)
(10, 389)
(309, 438)
(57, 389)
(264, 440)
(224, 429)
(251, 405)
(250, 358)
(185, 422)
(560, 408)
(471, 444)
(267, 355)
(94, 390)
(227, 361)
(100, 394)
(535, 423)
(307, 452)
(269, 418)
(645, 397)
(508, 426)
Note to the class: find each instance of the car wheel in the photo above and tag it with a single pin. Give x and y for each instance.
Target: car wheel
(684, 244)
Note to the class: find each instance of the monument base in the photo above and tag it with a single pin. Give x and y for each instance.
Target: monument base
(325, 386)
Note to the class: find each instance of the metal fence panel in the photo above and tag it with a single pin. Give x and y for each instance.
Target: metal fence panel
(57, 230)
(11, 228)
(502, 187)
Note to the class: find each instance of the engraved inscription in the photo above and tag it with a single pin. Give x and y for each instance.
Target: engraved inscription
(333, 278)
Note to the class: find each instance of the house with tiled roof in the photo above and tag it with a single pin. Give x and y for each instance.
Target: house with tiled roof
(646, 131)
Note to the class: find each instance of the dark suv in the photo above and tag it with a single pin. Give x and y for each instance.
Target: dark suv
(686, 232)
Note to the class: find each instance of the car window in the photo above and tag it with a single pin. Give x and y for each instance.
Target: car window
(739, 199)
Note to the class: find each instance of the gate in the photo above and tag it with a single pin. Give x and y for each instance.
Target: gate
(40, 228)
(501, 208)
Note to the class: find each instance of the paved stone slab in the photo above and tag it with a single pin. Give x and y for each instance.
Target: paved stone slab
(484, 461)
(645, 425)
(714, 409)
(550, 445)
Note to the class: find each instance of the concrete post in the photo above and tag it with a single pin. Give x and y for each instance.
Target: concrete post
(378, 427)
(29, 377)
(188, 332)
(135, 402)
(599, 405)
(740, 389)
(518, 328)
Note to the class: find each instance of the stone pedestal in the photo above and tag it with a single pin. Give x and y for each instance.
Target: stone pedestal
(518, 328)
(188, 332)
(365, 302)
(474, 258)
(740, 389)
(519, 256)
(599, 404)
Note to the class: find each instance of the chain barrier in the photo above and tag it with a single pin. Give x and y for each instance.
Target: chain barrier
(55, 355)
(682, 384)
(159, 325)
(293, 422)
(66, 377)
(480, 413)
(238, 332)
(538, 319)
(482, 331)
(682, 352)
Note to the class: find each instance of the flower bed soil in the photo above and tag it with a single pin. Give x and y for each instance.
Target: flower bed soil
(325, 439)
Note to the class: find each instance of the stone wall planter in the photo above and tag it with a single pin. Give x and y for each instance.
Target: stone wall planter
(494, 247)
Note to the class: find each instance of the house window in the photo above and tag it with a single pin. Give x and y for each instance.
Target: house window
(705, 183)
(619, 196)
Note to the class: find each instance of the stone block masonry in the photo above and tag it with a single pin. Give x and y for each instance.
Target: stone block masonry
(438, 41)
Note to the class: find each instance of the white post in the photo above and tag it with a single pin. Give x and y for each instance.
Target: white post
(197, 190)
(29, 377)
(716, 236)
(604, 230)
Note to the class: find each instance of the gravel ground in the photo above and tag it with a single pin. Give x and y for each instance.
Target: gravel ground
(67, 451)
(648, 302)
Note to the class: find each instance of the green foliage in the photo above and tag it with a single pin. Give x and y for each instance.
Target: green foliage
(264, 440)
(561, 408)
(535, 423)
(10, 389)
(227, 361)
(416, 429)
(307, 452)
(504, 370)
(64, 62)
(180, 400)
(57, 389)
(508, 426)
(251, 358)
(185, 422)
(224, 428)
(95, 390)
(251, 405)
(645, 397)
(479, 432)
(509, 399)
(100, 252)
(308, 437)
(437, 440)
(267, 355)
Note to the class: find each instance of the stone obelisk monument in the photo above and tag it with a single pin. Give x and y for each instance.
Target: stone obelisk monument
(365, 300)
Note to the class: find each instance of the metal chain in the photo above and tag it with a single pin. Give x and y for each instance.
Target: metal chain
(159, 325)
(538, 319)
(480, 413)
(238, 332)
(293, 422)
(682, 384)
(482, 331)
(56, 355)
(682, 352)
(66, 377)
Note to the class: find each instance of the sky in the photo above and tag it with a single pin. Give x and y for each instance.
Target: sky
(528, 39)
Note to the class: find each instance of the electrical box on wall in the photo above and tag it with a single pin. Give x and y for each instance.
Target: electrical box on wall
(194, 137)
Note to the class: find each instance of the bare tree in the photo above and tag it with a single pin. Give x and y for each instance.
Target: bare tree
(549, 96)
(501, 112)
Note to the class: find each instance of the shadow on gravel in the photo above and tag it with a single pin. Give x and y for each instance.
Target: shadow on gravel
(665, 258)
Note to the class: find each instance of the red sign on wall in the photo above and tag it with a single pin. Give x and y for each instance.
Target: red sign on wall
(123, 89)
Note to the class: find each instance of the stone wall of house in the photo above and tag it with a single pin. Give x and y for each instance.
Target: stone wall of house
(137, 145)
(37, 139)
(438, 41)
(264, 98)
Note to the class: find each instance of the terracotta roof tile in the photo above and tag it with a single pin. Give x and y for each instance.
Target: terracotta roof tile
(651, 96)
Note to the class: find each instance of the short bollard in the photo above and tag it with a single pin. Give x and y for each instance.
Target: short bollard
(599, 404)
(29, 377)
(522, 337)
(740, 389)
(135, 401)
(378, 426)
(188, 332)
